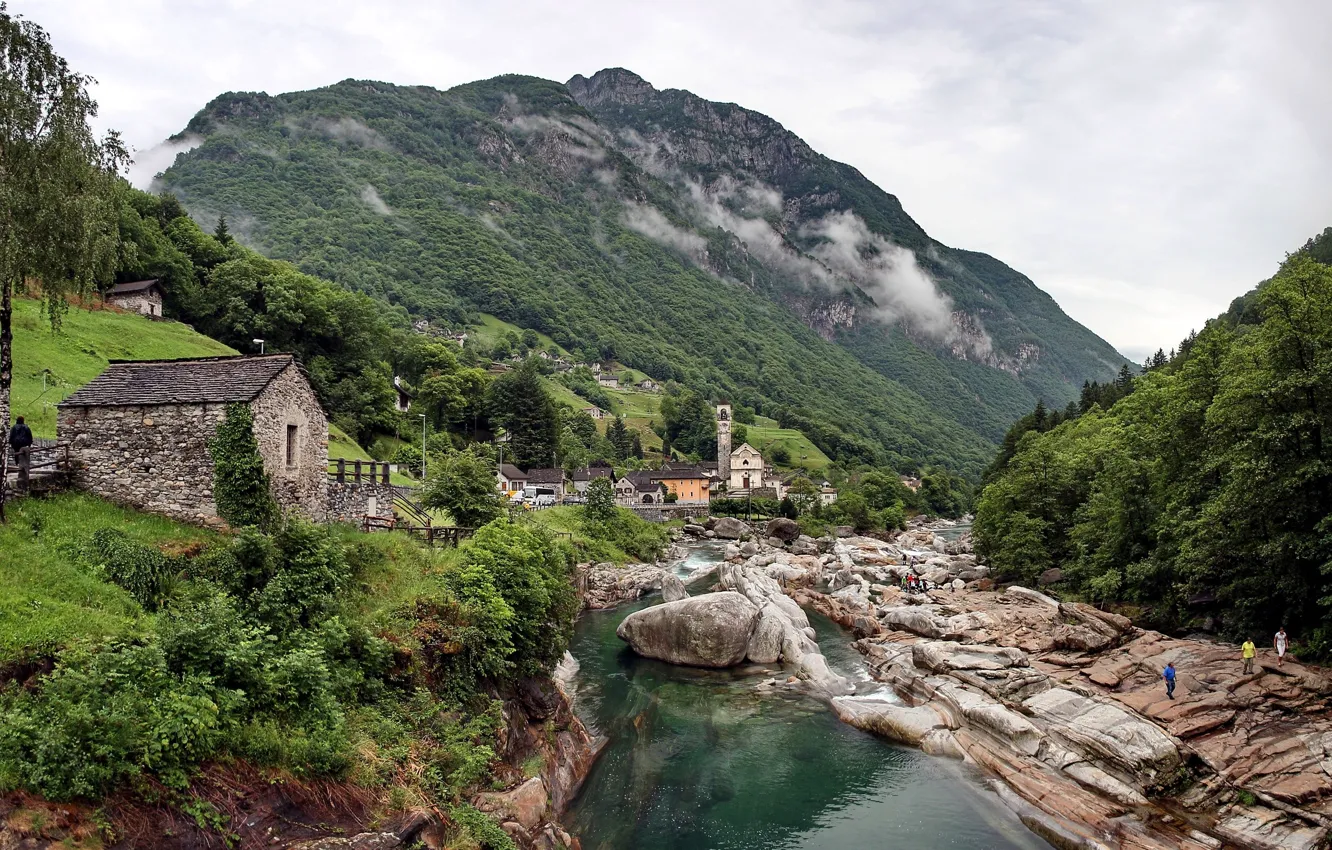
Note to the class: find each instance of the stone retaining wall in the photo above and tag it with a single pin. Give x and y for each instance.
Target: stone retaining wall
(352, 502)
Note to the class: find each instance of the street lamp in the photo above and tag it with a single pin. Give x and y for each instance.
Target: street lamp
(260, 343)
(423, 444)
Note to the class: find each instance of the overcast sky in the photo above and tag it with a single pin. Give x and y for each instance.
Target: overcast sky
(1143, 162)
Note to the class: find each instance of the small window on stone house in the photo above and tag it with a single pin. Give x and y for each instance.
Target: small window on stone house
(291, 445)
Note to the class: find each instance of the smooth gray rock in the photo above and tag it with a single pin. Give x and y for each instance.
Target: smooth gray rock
(672, 589)
(1106, 733)
(730, 528)
(765, 644)
(785, 530)
(711, 630)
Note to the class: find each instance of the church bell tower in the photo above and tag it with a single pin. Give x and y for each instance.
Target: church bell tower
(724, 442)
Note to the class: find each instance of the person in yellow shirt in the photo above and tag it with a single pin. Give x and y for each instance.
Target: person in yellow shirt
(1248, 650)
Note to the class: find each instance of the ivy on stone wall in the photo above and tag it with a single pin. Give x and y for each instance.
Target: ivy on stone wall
(240, 484)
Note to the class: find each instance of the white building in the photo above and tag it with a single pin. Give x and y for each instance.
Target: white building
(747, 469)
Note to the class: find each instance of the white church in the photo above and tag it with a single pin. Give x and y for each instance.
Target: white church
(742, 469)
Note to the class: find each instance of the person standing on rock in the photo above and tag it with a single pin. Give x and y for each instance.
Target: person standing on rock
(1169, 675)
(1248, 651)
(1280, 644)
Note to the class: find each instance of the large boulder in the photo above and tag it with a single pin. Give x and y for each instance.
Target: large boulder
(765, 644)
(916, 620)
(785, 530)
(606, 585)
(730, 528)
(1106, 733)
(711, 630)
(889, 718)
(672, 589)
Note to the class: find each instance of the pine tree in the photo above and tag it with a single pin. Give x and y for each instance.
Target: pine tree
(221, 234)
(1041, 417)
(619, 438)
(636, 446)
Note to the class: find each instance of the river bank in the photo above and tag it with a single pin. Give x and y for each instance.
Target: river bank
(704, 758)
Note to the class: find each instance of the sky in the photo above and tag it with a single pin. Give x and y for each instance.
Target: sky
(1142, 162)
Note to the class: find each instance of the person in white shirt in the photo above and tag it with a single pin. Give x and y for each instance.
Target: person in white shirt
(1280, 643)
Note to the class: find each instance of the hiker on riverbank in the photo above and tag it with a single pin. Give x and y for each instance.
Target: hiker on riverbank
(1248, 651)
(1169, 675)
(20, 440)
(1279, 643)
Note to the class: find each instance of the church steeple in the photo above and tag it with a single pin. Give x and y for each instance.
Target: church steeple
(724, 441)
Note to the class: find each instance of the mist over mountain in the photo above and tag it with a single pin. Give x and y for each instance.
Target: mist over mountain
(695, 241)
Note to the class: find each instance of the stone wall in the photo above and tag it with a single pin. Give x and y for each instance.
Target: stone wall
(148, 303)
(289, 401)
(153, 457)
(351, 502)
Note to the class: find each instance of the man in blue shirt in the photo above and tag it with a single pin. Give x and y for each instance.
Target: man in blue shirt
(1169, 675)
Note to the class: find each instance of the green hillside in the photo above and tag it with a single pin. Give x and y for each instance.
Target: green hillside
(508, 199)
(66, 360)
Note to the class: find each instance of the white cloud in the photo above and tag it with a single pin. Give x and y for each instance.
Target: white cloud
(651, 223)
(152, 161)
(1178, 148)
(370, 196)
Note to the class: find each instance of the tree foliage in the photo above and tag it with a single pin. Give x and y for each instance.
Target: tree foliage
(464, 484)
(1209, 478)
(58, 182)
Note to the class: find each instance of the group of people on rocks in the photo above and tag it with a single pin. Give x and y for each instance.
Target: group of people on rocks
(1248, 651)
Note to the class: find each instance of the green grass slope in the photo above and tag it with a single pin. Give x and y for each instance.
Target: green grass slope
(71, 357)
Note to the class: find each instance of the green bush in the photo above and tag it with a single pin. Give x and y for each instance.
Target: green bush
(145, 573)
(240, 484)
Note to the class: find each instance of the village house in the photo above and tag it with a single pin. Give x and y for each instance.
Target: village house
(649, 386)
(910, 482)
(548, 478)
(595, 412)
(688, 482)
(608, 380)
(827, 494)
(402, 399)
(141, 296)
(639, 488)
(581, 478)
(512, 480)
(139, 432)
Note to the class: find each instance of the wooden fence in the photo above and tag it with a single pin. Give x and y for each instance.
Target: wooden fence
(358, 471)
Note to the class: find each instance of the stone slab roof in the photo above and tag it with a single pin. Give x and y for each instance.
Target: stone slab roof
(512, 473)
(545, 476)
(136, 286)
(207, 380)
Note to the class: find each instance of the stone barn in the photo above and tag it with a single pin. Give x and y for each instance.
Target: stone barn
(141, 296)
(138, 434)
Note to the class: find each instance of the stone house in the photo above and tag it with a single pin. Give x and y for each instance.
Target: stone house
(649, 386)
(552, 478)
(139, 432)
(827, 494)
(403, 399)
(580, 479)
(608, 380)
(910, 482)
(595, 412)
(639, 488)
(141, 296)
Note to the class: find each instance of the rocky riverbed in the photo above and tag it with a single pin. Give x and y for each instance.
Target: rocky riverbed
(1061, 704)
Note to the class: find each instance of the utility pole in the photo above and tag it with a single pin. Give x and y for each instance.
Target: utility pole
(423, 447)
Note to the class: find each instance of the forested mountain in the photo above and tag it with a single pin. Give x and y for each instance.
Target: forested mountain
(694, 241)
(1201, 490)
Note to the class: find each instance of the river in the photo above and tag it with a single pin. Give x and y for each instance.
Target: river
(700, 760)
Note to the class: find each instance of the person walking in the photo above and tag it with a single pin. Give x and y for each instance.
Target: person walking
(1169, 675)
(1279, 643)
(20, 440)
(1248, 651)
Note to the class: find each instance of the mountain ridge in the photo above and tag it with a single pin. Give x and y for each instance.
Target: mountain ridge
(508, 196)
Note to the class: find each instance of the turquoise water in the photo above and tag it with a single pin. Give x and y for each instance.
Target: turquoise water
(698, 759)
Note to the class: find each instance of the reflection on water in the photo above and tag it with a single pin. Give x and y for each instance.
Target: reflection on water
(698, 759)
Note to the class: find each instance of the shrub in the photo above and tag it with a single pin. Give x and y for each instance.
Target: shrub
(600, 505)
(465, 486)
(145, 573)
(240, 484)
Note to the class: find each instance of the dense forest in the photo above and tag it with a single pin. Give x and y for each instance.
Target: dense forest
(506, 197)
(1199, 490)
